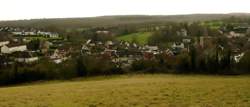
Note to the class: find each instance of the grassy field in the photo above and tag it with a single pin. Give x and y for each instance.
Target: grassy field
(213, 24)
(135, 90)
(141, 38)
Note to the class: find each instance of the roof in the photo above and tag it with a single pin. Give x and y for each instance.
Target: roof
(15, 44)
(22, 54)
(152, 47)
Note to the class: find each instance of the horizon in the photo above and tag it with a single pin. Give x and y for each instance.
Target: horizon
(127, 15)
(46, 9)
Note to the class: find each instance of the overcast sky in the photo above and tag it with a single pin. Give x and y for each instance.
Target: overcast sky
(30, 9)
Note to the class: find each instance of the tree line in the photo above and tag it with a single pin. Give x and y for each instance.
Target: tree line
(217, 62)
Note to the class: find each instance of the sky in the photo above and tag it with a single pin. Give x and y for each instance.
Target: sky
(33, 9)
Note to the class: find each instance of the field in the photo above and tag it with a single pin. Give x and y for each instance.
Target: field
(141, 38)
(133, 90)
(213, 24)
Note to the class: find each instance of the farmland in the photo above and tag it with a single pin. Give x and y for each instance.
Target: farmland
(133, 90)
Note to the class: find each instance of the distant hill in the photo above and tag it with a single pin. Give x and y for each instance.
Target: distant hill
(116, 20)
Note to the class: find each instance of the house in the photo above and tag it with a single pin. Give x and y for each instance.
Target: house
(85, 50)
(26, 40)
(134, 45)
(178, 46)
(238, 57)
(152, 49)
(99, 43)
(109, 44)
(60, 60)
(2, 43)
(148, 55)
(127, 44)
(25, 57)
(18, 33)
(90, 43)
(54, 35)
(233, 34)
(48, 34)
(186, 40)
(29, 33)
(102, 32)
(10, 48)
(110, 53)
(59, 56)
(168, 52)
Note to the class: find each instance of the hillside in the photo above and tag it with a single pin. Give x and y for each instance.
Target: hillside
(114, 20)
(138, 90)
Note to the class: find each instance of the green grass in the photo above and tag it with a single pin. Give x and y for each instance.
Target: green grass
(135, 90)
(141, 37)
(213, 24)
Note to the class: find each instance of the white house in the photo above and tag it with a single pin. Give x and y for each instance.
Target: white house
(152, 49)
(186, 40)
(60, 60)
(29, 33)
(102, 32)
(10, 49)
(43, 33)
(2, 43)
(54, 35)
(49, 34)
(233, 34)
(238, 57)
(18, 33)
(178, 45)
(27, 60)
(25, 57)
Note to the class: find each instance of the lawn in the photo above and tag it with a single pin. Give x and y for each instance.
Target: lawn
(141, 37)
(133, 90)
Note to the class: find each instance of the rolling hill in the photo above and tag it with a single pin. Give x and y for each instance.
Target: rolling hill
(115, 20)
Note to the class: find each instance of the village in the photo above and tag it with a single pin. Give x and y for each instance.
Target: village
(21, 47)
(125, 53)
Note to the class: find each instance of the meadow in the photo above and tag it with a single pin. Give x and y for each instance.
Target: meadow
(141, 37)
(157, 90)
